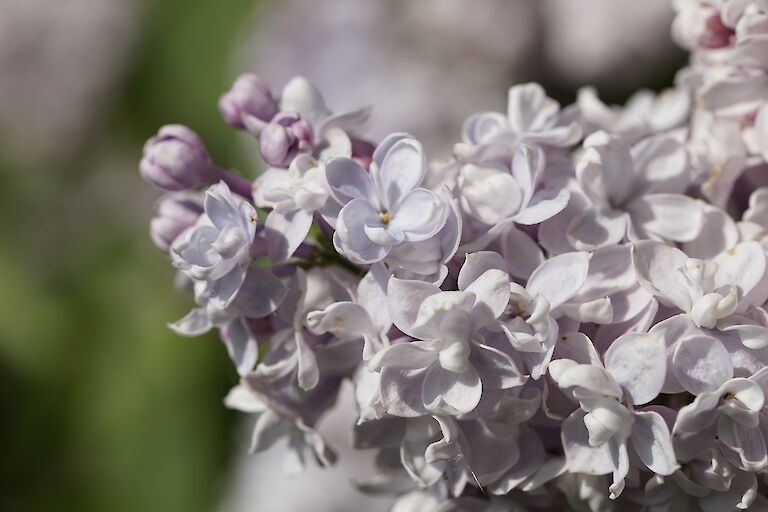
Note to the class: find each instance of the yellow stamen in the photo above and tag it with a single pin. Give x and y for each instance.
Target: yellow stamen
(385, 217)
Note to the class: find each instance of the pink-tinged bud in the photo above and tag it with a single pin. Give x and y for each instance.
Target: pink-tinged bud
(362, 152)
(248, 95)
(175, 213)
(283, 138)
(175, 159)
(716, 34)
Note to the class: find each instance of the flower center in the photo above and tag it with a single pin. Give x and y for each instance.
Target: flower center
(385, 217)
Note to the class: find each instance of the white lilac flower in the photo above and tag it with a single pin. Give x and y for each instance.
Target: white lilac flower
(217, 249)
(294, 195)
(635, 194)
(728, 414)
(261, 294)
(708, 292)
(278, 414)
(387, 207)
(532, 118)
(496, 198)
(598, 437)
(619, 296)
(529, 319)
(365, 316)
(447, 360)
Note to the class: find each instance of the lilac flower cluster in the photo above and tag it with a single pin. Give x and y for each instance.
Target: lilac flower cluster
(567, 313)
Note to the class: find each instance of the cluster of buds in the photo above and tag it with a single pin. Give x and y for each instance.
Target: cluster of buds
(568, 313)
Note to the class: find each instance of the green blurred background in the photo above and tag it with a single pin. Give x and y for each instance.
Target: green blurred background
(102, 407)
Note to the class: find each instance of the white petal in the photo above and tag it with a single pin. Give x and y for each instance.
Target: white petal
(661, 163)
(653, 444)
(488, 193)
(638, 363)
(405, 299)
(476, 264)
(670, 216)
(743, 266)
(605, 170)
(285, 231)
(559, 278)
(451, 393)
(405, 356)
(544, 204)
(748, 443)
(658, 270)
(595, 227)
(351, 239)
(308, 371)
(300, 96)
(491, 291)
(241, 346)
(347, 181)
(529, 109)
(261, 293)
(400, 171)
(419, 215)
(701, 363)
(579, 455)
(527, 166)
(521, 253)
(195, 323)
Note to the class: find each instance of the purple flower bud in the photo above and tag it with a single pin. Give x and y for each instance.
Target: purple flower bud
(175, 213)
(175, 159)
(283, 138)
(248, 95)
(362, 152)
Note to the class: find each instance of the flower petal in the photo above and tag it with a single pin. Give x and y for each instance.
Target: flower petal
(451, 393)
(669, 216)
(559, 278)
(701, 363)
(638, 364)
(348, 181)
(400, 171)
(595, 227)
(653, 444)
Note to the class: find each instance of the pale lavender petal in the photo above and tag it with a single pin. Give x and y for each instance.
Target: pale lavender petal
(261, 293)
(521, 253)
(405, 299)
(742, 266)
(241, 346)
(559, 278)
(670, 216)
(701, 363)
(348, 181)
(638, 363)
(451, 393)
(544, 205)
(653, 444)
(285, 231)
(400, 171)
(419, 215)
(595, 227)
(476, 264)
(658, 270)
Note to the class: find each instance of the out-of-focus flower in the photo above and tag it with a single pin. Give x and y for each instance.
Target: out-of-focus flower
(175, 213)
(249, 95)
(175, 159)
